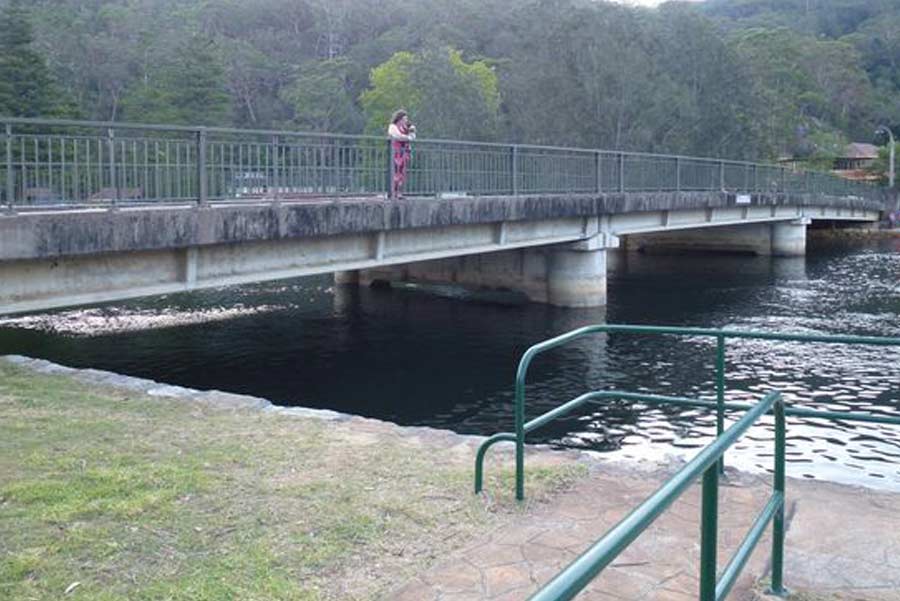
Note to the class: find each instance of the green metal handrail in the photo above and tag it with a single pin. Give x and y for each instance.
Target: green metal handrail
(522, 428)
(568, 583)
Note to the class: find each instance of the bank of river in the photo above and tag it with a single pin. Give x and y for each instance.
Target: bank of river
(447, 360)
(117, 488)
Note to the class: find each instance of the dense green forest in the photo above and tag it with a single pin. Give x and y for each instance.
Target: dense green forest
(737, 78)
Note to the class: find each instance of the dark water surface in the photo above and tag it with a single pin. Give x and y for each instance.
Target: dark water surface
(448, 360)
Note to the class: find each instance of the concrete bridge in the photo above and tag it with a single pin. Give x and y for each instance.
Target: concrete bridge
(102, 212)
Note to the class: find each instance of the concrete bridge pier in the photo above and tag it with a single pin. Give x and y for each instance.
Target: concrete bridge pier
(576, 276)
(563, 275)
(789, 238)
(346, 277)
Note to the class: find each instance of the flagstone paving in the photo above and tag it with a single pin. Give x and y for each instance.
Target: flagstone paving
(841, 541)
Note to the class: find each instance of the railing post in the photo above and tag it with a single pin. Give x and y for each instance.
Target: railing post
(514, 169)
(783, 181)
(720, 393)
(275, 184)
(755, 178)
(598, 164)
(113, 176)
(520, 442)
(677, 174)
(202, 176)
(10, 174)
(722, 176)
(621, 172)
(389, 172)
(778, 518)
(708, 534)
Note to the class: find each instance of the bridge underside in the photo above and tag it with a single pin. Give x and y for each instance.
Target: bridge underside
(554, 252)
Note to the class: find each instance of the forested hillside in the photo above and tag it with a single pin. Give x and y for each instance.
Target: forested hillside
(738, 78)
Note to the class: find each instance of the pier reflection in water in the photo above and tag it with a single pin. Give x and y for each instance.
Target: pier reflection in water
(445, 358)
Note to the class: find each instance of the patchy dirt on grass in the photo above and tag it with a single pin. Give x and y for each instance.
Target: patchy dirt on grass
(113, 494)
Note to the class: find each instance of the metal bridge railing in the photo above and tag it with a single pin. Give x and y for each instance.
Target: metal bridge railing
(574, 578)
(58, 162)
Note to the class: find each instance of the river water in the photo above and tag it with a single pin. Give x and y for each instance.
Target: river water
(445, 358)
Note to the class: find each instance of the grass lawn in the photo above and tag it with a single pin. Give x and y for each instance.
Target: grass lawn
(113, 495)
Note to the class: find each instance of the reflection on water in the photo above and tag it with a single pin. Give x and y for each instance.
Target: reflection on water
(433, 358)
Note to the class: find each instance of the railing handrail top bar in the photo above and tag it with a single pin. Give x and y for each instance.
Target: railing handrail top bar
(290, 133)
(796, 336)
(178, 128)
(556, 341)
(708, 332)
(605, 550)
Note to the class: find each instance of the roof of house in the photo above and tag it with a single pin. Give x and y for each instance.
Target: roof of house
(860, 150)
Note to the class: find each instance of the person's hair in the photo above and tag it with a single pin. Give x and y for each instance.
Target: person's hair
(398, 114)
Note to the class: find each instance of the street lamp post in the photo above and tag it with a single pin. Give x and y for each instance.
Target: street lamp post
(891, 142)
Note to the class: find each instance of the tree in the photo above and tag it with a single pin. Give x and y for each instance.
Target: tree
(26, 88)
(190, 90)
(322, 99)
(808, 84)
(446, 95)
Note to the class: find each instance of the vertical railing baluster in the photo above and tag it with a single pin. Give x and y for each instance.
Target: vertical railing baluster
(135, 180)
(621, 172)
(62, 168)
(389, 172)
(202, 179)
(99, 166)
(50, 164)
(274, 163)
(114, 181)
(514, 168)
(708, 534)
(677, 174)
(76, 175)
(10, 174)
(722, 176)
(598, 163)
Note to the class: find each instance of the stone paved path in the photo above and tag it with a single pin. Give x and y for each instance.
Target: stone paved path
(841, 541)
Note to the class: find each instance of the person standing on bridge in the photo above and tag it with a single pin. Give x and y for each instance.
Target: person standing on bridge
(401, 132)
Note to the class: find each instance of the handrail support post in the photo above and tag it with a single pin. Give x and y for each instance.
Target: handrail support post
(514, 169)
(276, 195)
(520, 448)
(113, 176)
(720, 393)
(621, 172)
(202, 178)
(708, 534)
(778, 518)
(389, 172)
(10, 174)
(677, 174)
